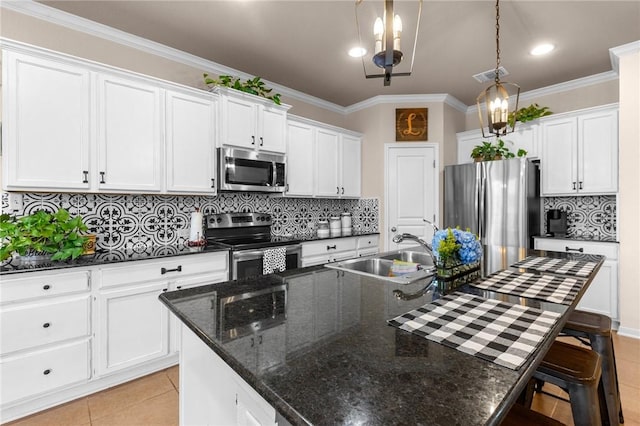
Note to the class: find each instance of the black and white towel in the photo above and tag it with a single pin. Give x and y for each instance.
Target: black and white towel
(500, 332)
(274, 260)
(578, 268)
(545, 287)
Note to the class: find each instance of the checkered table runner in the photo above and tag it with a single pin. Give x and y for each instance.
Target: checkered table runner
(546, 287)
(579, 268)
(500, 332)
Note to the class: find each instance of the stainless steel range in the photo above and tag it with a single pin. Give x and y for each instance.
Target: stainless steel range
(247, 236)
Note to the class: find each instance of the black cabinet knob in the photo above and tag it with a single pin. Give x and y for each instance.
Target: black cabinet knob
(46, 287)
(47, 372)
(46, 325)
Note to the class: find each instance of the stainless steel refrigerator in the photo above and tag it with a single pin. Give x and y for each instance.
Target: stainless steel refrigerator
(500, 202)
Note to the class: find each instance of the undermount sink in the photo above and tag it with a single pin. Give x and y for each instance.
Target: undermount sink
(379, 266)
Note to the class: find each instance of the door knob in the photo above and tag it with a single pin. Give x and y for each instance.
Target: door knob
(393, 229)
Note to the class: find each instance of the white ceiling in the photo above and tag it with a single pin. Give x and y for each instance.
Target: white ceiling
(303, 44)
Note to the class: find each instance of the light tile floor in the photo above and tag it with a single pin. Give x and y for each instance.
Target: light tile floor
(153, 400)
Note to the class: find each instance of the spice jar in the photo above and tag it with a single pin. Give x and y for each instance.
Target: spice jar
(323, 229)
(334, 225)
(345, 219)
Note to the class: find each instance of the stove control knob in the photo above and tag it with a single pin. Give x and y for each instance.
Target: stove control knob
(260, 218)
(219, 220)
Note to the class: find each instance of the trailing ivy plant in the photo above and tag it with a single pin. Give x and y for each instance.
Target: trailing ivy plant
(57, 234)
(529, 113)
(488, 151)
(255, 86)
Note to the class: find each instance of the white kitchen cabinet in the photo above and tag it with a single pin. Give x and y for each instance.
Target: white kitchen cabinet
(248, 121)
(350, 166)
(190, 143)
(300, 161)
(338, 164)
(367, 245)
(46, 116)
(602, 295)
(129, 124)
(580, 153)
(328, 250)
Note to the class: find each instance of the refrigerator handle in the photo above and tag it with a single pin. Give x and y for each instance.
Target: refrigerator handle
(480, 182)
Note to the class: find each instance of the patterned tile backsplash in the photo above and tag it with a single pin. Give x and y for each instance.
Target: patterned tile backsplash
(141, 221)
(587, 217)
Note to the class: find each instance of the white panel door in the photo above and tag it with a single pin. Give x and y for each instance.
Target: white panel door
(598, 153)
(558, 166)
(190, 143)
(350, 166)
(46, 124)
(327, 183)
(272, 129)
(129, 135)
(239, 123)
(412, 193)
(299, 159)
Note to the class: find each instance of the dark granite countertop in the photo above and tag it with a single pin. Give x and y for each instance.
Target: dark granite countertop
(102, 257)
(594, 238)
(334, 360)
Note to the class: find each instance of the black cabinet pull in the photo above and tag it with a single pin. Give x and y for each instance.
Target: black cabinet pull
(261, 141)
(85, 174)
(164, 290)
(46, 287)
(253, 342)
(580, 185)
(580, 250)
(46, 325)
(343, 190)
(165, 270)
(102, 177)
(260, 339)
(179, 287)
(253, 140)
(213, 183)
(47, 372)
(331, 247)
(574, 185)
(338, 190)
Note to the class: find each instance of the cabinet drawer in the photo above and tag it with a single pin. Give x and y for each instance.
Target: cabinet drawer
(368, 241)
(44, 371)
(169, 268)
(29, 325)
(609, 250)
(33, 285)
(329, 246)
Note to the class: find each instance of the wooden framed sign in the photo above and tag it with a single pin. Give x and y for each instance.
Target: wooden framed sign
(411, 124)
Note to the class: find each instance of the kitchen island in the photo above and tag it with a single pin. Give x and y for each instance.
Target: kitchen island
(313, 346)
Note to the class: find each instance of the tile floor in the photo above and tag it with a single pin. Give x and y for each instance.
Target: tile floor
(153, 400)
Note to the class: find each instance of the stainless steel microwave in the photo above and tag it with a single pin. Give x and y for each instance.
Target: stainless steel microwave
(247, 170)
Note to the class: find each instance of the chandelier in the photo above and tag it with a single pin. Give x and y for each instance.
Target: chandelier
(497, 96)
(387, 30)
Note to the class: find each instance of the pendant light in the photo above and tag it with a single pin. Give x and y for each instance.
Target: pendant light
(496, 98)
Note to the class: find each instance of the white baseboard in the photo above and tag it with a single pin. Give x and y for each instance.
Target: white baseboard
(629, 332)
(60, 396)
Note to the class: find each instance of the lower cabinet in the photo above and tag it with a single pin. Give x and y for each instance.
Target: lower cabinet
(602, 295)
(336, 249)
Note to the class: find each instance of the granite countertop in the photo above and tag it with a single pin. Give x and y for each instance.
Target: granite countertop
(334, 359)
(594, 238)
(102, 257)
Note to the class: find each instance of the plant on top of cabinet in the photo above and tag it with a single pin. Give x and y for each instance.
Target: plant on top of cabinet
(254, 86)
(529, 113)
(57, 234)
(489, 152)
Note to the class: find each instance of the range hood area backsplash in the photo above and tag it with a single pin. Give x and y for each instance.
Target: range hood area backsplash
(139, 222)
(587, 217)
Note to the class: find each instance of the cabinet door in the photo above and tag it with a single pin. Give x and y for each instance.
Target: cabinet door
(272, 129)
(300, 163)
(238, 123)
(466, 142)
(598, 153)
(559, 167)
(351, 167)
(133, 328)
(129, 125)
(525, 137)
(190, 144)
(602, 295)
(46, 124)
(327, 158)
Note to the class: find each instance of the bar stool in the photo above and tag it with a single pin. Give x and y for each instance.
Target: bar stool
(597, 329)
(520, 415)
(577, 371)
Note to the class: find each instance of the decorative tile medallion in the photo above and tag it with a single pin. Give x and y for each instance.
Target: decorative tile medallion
(587, 217)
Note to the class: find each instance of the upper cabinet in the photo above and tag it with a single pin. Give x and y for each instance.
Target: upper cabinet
(252, 122)
(580, 152)
(129, 128)
(190, 138)
(524, 137)
(300, 164)
(350, 166)
(46, 133)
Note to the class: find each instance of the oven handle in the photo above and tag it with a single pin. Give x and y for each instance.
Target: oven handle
(258, 253)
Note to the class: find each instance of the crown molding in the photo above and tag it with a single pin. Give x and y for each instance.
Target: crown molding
(399, 99)
(625, 49)
(562, 87)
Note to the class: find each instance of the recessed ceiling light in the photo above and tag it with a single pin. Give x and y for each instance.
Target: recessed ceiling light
(357, 52)
(542, 49)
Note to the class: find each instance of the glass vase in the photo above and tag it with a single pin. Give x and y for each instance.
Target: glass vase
(452, 273)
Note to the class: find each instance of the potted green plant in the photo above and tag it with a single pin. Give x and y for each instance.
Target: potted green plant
(529, 113)
(489, 152)
(255, 86)
(58, 235)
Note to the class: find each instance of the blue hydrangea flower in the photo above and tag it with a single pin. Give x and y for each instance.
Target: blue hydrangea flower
(470, 250)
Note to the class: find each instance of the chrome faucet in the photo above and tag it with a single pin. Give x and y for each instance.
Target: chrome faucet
(398, 238)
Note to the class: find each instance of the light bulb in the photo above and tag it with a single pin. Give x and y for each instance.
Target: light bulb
(397, 31)
(378, 31)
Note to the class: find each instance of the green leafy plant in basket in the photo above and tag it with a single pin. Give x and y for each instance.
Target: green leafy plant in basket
(56, 234)
(498, 151)
(529, 113)
(254, 86)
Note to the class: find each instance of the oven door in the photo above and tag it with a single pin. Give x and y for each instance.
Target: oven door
(248, 263)
(244, 170)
